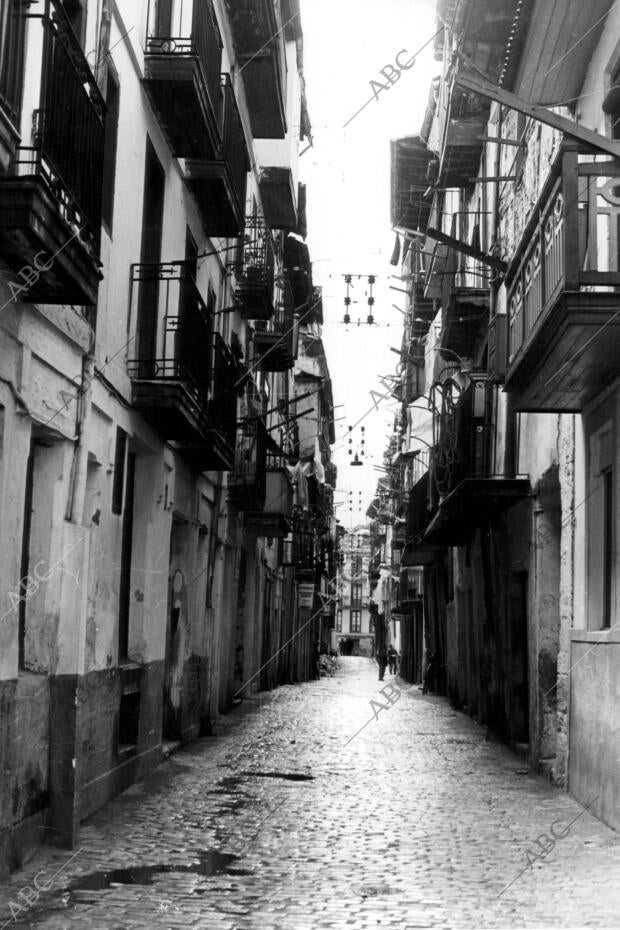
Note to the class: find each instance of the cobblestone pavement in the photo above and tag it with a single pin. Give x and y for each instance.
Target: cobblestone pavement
(283, 821)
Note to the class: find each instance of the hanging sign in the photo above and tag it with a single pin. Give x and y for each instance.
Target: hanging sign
(306, 595)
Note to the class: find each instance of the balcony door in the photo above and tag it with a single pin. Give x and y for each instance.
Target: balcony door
(162, 18)
(194, 329)
(12, 26)
(150, 256)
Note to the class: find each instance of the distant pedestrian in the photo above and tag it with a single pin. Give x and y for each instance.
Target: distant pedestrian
(392, 657)
(382, 661)
(316, 658)
(431, 673)
(341, 646)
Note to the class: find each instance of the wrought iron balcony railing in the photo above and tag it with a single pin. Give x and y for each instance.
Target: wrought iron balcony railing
(183, 62)
(254, 291)
(464, 489)
(50, 199)
(234, 147)
(462, 438)
(247, 481)
(277, 343)
(219, 182)
(184, 377)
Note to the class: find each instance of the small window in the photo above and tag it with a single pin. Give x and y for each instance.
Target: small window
(119, 471)
(356, 621)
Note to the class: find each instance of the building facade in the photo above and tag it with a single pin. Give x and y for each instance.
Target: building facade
(153, 303)
(354, 623)
(509, 375)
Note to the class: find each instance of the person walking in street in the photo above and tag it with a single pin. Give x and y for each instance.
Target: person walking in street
(382, 661)
(392, 657)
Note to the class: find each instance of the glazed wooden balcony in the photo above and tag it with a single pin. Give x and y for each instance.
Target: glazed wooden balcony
(563, 323)
(219, 182)
(50, 198)
(186, 387)
(254, 289)
(182, 65)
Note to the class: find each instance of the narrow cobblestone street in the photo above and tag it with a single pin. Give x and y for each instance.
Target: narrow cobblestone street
(277, 822)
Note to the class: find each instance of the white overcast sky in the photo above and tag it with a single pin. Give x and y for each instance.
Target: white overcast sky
(347, 172)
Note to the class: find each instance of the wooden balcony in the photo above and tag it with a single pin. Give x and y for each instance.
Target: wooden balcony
(182, 65)
(410, 202)
(254, 289)
(563, 321)
(219, 183)
(275, 520)
(50, 198)
(483, 35)
(185, 387)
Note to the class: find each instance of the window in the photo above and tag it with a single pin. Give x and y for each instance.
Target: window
(356, 621)
(150, 253)
(339, 621)
(12, 23)
(356, 595)
(163, 17)
(109, 153)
